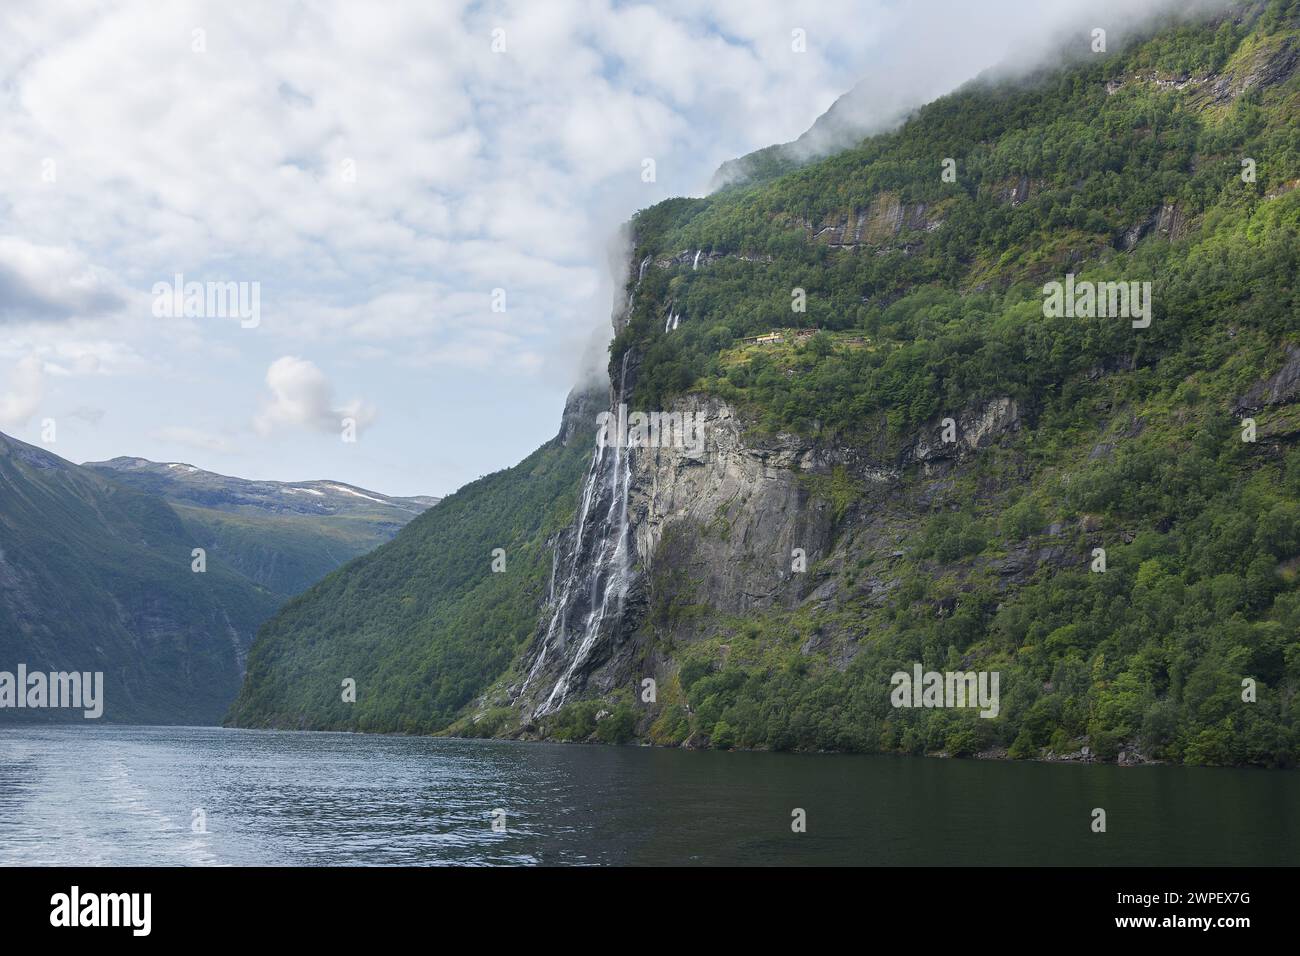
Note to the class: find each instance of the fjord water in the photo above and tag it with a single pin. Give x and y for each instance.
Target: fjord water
(126, 796)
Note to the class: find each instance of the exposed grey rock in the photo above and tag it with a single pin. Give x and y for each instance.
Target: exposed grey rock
(975, 429)
(743, 508)
(1167, 221)
(578, 421)
(715, 526)
(1282, 386)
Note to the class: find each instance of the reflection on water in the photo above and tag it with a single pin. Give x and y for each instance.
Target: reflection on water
(128, 796)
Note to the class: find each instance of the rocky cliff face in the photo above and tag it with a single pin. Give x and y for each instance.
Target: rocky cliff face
(729, 514)
(724, 516)
(729, 523)
(1073, 503)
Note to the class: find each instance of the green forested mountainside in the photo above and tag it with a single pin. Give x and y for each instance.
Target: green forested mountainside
(96, 576)
(1063, 174)
(423, 623)
(1123, 166)
(1127, 166)
(283, 536)
(283, 554)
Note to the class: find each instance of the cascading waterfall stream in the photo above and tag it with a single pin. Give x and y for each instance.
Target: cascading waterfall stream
(640, 274)
(599, 561)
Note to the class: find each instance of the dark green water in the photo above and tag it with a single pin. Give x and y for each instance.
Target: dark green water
(127, 795)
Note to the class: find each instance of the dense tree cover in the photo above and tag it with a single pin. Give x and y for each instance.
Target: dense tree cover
(96, 576)
(1150, 654)
(956, 310)
(286, 555)
(422, 624)
(1125, 166)
(1130, 435)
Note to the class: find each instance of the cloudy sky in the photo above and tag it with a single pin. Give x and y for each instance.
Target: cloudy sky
(378, 170)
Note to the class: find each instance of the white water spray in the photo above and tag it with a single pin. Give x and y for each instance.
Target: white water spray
(599, 565)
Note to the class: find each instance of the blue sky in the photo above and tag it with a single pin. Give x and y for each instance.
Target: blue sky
(378, 171)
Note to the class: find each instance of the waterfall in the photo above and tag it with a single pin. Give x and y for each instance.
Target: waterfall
(639, 276)
(598, 561)
(696, 264)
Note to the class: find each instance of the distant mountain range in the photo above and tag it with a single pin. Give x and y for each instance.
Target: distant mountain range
(284, 536)
(96, 572)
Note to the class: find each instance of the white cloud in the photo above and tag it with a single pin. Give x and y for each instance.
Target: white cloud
(43, 283)
(474, 171)
(302, 397)
(21, 394)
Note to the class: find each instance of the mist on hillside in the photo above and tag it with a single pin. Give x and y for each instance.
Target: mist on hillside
(943, 44)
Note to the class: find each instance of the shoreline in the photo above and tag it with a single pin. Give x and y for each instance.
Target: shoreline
(1128, 758)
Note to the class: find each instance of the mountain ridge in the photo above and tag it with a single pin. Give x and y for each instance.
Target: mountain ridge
(827, 430)
(126, 465)
(96, 574)
(284, 536)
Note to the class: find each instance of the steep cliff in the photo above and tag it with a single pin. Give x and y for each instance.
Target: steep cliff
(871, 443)
(932, 476)
(423, 623)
